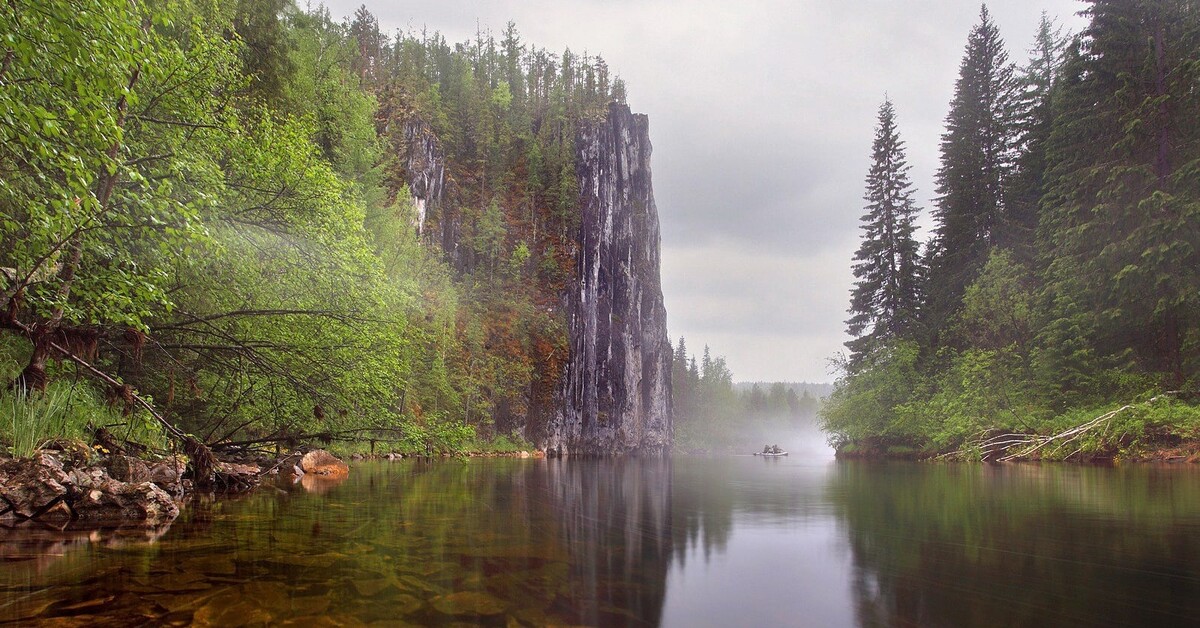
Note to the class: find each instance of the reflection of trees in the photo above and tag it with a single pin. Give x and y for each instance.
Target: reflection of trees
(708, 492)
(1019, 545)
(702, 504)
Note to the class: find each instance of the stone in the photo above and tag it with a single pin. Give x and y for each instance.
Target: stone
(30, 485)
(615, 394)
(109, 500)
(127, 469)
(468, 603)
(168, 473)
(321, 462)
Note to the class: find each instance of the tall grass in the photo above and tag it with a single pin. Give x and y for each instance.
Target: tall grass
(29, 420)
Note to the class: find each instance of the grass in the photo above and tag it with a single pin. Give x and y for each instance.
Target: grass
(31, 419)
(66, 411)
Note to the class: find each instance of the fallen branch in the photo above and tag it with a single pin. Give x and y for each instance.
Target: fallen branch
(1015, 446)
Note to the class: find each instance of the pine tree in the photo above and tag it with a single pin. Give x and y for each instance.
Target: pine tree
(369, 42)
(977, 160)
(885, 299)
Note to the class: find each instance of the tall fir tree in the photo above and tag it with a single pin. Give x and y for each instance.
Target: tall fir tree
(977, 160)
(1120, 239)
(1034, 118)
(885, 298)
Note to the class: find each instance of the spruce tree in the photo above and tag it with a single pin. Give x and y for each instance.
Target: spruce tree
(885, 298)
(1034, 117)
(1120, 239)
(977, 160)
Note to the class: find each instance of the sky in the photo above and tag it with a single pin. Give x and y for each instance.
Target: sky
(762, 114)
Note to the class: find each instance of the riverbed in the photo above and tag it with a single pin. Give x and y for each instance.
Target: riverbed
(684, 541)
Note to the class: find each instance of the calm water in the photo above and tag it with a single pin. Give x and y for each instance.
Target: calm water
(682, 542)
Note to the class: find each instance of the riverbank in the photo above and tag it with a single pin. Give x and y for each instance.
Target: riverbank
(71, 483)
(1148, 450)
(1160, 428)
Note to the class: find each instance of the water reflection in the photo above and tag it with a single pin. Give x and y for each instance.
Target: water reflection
(1021, 544)
(489, 542)
(683, 542)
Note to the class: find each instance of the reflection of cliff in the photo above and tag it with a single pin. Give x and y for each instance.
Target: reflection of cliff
(1019, 545)
(615, 519)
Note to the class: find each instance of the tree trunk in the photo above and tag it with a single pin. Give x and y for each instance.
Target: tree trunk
(33, 377)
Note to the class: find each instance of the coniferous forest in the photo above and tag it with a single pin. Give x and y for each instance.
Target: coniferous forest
(208, 226)
(1055, 311)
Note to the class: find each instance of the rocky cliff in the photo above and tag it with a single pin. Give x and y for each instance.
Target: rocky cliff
(616, 391)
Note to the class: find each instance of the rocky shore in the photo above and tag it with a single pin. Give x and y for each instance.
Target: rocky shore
(69, 485)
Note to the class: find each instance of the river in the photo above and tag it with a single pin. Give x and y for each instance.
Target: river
(688, 541)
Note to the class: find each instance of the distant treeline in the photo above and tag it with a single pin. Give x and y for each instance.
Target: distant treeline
(712, 413)
(818, 390)
(1063, 275)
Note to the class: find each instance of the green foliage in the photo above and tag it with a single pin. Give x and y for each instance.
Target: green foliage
(65, 411)
(211, 175)
(1063, 278)
(997, 308)
(861, 408)
(977, 161)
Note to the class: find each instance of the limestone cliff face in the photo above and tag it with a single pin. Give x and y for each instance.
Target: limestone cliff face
(616, 392)
(426, 168)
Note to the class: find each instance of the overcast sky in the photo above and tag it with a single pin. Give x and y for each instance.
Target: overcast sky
(762, 114)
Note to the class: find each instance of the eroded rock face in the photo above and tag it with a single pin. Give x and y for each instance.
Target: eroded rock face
(616, 392)
(426, 168)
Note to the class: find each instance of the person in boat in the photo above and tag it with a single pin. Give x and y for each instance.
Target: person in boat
(766, 449)
(775, 449)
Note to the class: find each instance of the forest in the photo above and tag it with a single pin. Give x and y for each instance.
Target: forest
(1054, 312)
(715, 414)
(209, 226)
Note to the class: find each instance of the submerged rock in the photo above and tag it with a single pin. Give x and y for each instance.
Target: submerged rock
(615, 395)
(322, 463)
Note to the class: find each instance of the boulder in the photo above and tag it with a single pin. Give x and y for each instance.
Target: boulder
(29, 486)
(321, 462)
(40, 488)
(168, 473)
(106, 499)
(127, 469)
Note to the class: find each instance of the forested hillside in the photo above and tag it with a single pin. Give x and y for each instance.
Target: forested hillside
(1062, 280)
(272, 226)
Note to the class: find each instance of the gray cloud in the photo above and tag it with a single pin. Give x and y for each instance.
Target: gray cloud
(761, 115)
